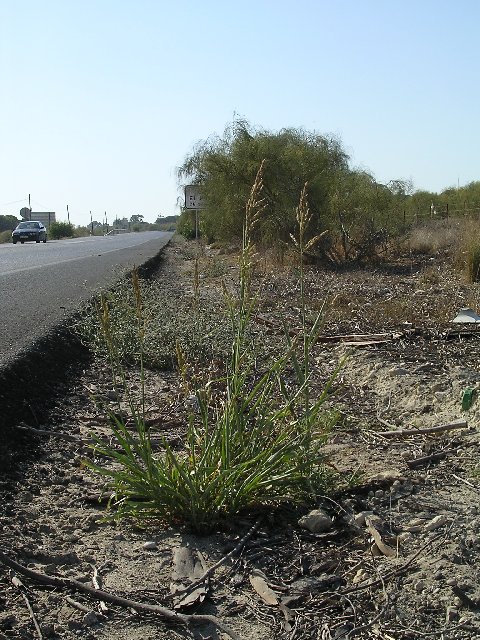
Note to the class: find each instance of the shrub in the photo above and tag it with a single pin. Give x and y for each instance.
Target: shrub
(5, 236)
(59, 230)
(186, 225)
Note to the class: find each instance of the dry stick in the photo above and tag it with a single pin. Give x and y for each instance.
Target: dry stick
(19, 584)
(55, 434)
(72, 438)
(413, 432)
(212, 569)
(78, 605)
(469, 484)
(74, 585)
(434, 457)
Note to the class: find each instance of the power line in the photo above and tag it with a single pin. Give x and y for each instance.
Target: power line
(5, 204)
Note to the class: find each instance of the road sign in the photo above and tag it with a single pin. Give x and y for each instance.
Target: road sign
(193, 197)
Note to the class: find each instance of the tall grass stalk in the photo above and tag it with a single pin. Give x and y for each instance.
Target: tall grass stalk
(252, 440)
(309, 335)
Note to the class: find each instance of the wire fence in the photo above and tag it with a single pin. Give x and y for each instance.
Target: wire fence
(442, 212)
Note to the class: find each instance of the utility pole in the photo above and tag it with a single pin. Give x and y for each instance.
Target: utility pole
(91, 223)
(29, 206)
(68, 215)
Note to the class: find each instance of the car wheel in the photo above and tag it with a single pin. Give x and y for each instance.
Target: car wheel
(22, 241)
(45, 239)
(37, 239)
(14, 241)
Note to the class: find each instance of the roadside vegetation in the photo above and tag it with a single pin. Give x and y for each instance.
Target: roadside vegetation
(363, 219)
(252, 439)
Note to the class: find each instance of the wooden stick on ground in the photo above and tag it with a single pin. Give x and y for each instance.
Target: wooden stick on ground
(434, 457)
(75, 585)
(21, 587)
(402, 433)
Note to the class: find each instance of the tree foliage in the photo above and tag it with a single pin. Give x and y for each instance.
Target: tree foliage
(348, 204)
(8, 223)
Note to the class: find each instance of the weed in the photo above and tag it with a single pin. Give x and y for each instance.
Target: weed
(252, 439)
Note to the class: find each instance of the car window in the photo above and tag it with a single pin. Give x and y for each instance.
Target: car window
(29, 225)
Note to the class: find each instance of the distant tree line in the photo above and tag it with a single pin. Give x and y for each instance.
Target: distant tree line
(359, 214)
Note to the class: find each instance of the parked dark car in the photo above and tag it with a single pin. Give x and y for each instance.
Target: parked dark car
(29, 230)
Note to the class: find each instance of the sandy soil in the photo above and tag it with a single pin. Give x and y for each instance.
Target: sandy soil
(401, 557)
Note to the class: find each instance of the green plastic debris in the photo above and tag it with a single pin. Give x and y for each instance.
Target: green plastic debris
(467, 399)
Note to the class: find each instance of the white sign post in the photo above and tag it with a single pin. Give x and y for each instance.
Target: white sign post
(194, 200)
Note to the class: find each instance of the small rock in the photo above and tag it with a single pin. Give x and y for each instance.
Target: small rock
(317, 521)
(359, 519)
(48, 630)
(398, 371)
(436, 522)
(25, 496)
(151, 545)
(451, 614)
(420, 586)
(404, 537)
(90, 619)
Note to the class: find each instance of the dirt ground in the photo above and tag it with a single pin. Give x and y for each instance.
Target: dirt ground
(400, 556)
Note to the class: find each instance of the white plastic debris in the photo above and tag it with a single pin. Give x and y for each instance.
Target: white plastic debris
(466, 315)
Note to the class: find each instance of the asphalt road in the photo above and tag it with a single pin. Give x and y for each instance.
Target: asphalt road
(42, 284)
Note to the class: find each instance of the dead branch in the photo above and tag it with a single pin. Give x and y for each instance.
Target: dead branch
(21, 587)
(403, 433)
(349, 339)
(434, 457)
(74, 585)
(78, 605)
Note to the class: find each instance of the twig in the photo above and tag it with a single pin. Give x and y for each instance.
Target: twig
(21, 587)
(393, 572)
(213, 568)
(434, 457)
(55, 434)
(78, 605)
(154, 441)
(469, 484)
(413, 432)
(74, 585)
(97, 583)
(373, 583)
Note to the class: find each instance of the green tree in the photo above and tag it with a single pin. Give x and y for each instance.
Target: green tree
(8, 223)
(226, 167)
(360, 214)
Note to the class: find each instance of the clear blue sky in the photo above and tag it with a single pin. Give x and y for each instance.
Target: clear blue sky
(101, 100)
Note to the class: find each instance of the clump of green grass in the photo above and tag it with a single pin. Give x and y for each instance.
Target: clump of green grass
(252, 440)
